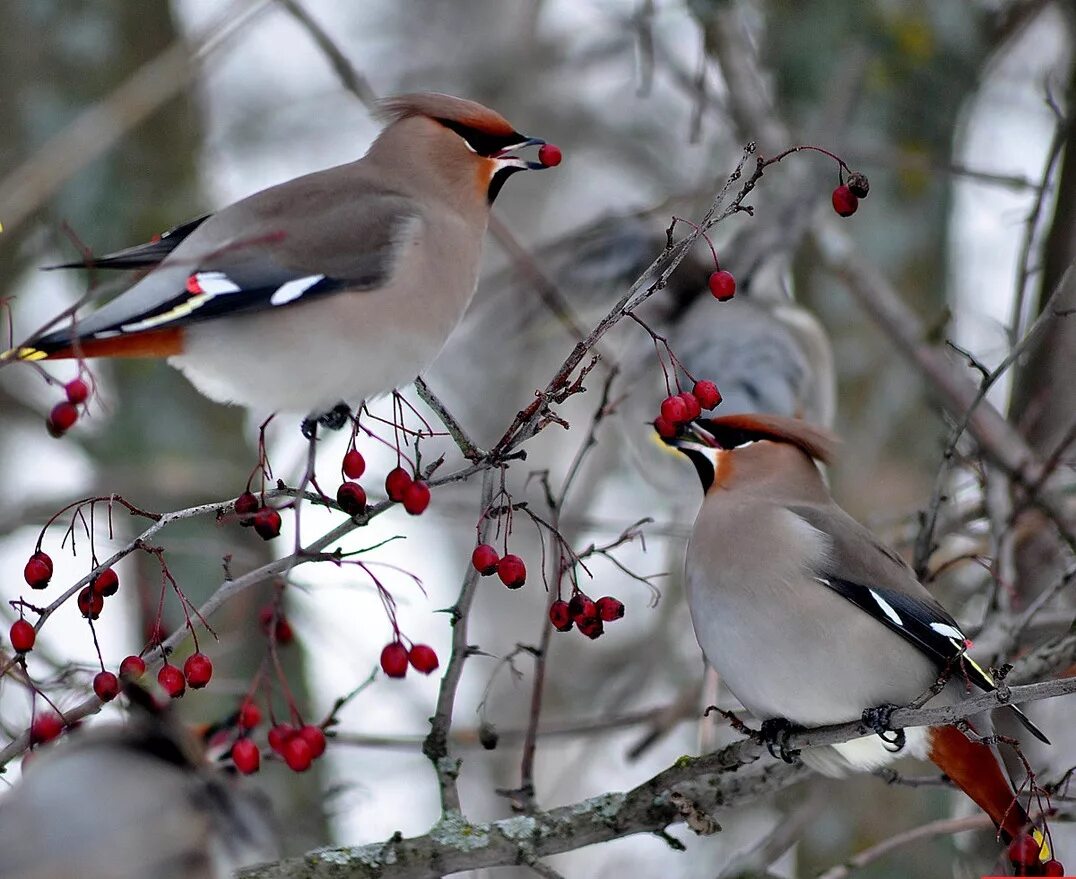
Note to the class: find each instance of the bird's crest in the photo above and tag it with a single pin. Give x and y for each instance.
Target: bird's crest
(448, 110)
(731, 431)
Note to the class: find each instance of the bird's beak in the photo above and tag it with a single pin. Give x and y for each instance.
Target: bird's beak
(691, 435)
(507, 160)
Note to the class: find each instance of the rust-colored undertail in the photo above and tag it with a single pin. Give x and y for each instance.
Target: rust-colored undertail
(151, 343)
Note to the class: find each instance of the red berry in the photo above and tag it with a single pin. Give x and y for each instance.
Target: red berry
(394, 659)
(1024, 850)
(106, 583)
(267, 523)
(250, 715)
(609, 608)
(581, 607)
(665, 429)
(62, 418)
(674, 410)
(106, 685)
(297, 754)
(512, 571)
(246, 504)
(423, 658)
(396, 483)
(694, 407)
(246, 756)
(280, 735)
(38, 571)
(352, 498)
(416, 498)
(706, 393)
(77, 391)
(354, 464)
(484, 559)
(314, 736)
(46, 727)
(172, 681)
(844, 201)
(90, 604)
(132, 667)
(592, 627)
(1052, 868)
(283, 632)
(722, 285)
(560, 616)
(197, 670)
(549, 155)
(22, 636)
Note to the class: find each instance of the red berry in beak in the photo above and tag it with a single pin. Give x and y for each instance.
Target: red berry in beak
(844, 201)
(549, 155)
(484, 559)
(722, 286)
(665, 429)
(22, 636)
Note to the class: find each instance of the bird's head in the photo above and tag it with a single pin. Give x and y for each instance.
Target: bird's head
(460, 140)
(750, 447)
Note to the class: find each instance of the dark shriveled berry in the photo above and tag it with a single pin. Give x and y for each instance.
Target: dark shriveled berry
(581, 606)
(352, 498)
(592, 627)
(858, 185)
(267, 523)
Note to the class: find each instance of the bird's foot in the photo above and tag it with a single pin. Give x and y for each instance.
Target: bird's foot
(878, 720)
(334, 419)
(775, 733)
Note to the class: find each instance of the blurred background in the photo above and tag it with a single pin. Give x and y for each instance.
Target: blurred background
(955, 109)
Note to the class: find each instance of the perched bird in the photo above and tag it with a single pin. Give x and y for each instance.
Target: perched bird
(129, 802)
(328, 289)
(810, 619)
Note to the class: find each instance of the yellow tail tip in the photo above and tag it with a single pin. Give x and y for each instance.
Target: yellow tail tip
(30, 354)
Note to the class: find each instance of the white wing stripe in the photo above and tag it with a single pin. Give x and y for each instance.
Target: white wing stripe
(948, 631)
(293, 289)
(215, 283)
(887, 608)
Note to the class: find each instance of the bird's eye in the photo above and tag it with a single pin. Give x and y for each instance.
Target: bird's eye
(482, 142)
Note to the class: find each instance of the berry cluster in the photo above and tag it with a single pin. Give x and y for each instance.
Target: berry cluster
(510, 568)
(64, 414)
(395, 658)
(1025, 852)
(298, 746)
(403, 488)
(265, 521)
(582, 611)
(686, 406)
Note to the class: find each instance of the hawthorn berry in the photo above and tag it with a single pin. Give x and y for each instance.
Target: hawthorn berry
(314, 736)
(246, 756)
(512, 571)
(722, 285)
(484, 559)
(354, 464)
(77, 391)
(297, 754)
(45, 727)
(665, 429)
(249, 714)
(283, 632)
(609, 608)
(674, 410)
(416, 498)
(172, 681)
(198, 669)
(844, 201)
(22, 636)
(352, 498)
(1024, 850)
(106, 685)
(859, 185)
(394, 659)
(106, 583)
(592, 627)
(560, 616)
(396, 483)
(706, 393)
(90, 604)
(549, 155)
(38, 571)
(581, 607)
(1052, 868)
(62, 418)
(246, 505)
(132, 667)
(267, 523)
(423, 658)
(694, 407)
(280, 735)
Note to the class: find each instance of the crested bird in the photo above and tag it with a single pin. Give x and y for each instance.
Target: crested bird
(811, 620)
(131, 801)
(330, 288)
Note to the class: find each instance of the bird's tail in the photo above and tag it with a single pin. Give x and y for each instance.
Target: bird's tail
(974, 767)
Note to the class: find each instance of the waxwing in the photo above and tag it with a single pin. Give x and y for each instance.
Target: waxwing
(328, 289)
(129, 802)
(809, 618)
